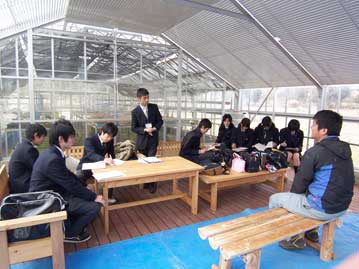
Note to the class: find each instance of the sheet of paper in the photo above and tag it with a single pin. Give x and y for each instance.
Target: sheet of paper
(117, 162)
(95, 165)
(151, 159)
(109, 174)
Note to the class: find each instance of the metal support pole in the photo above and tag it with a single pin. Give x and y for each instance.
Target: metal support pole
(52, 59)
(263, 102)
(30, 62)
(223, 98)
(179, 96)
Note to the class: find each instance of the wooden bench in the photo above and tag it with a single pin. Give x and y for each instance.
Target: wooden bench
(11, 253)
(216, 183)
(168, 148)
(246, 236)
(75, 152)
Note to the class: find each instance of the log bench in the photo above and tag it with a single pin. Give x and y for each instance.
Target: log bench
(246, 236)
(11, 253)
(234, 179)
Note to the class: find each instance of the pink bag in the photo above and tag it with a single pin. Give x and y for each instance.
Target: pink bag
(238, 164)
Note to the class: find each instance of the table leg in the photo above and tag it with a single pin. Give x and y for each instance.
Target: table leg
(175, 186)
(214, 195)
(106, 219)
(194, 198)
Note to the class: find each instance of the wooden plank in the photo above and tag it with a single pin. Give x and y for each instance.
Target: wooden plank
(31, 221)
(40, 248)
(57, 243)
(244, 175)
(253, 259)
(4, 182)
(214, 195)
(147, 201)
(221, 227)
(255, 242)
(249, 230)
(326, 250)
(4, 252)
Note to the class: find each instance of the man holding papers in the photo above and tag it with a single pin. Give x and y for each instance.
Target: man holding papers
(99, 147)
(50, 173)
(146, 123)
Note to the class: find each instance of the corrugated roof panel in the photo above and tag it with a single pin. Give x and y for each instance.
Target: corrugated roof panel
(322, 35)
(261, 62)
(143, 16)
(19, 15)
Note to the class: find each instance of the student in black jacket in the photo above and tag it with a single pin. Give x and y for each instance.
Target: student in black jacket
(323, 186)
(190, 146)
(99, 147)
(146, 123)
(50, 173)
(226, 130)
(291, 141)
(266, 132)
(24, 157)
(243, 135)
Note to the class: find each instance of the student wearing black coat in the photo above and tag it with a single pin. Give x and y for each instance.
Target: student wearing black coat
(266, 132)
(291, 141)
(50, 173)
(226, 130)
(243, 135)
(146, 123)
(190, 146)
(99, 147)
(24, 157)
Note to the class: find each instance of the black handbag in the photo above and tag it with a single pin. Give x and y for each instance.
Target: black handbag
(28, 204)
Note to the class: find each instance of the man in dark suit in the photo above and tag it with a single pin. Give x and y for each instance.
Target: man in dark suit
(24, 157)
(99, 147)
(50, 173)
(146, 123)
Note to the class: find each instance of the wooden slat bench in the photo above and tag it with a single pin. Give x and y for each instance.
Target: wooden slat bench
(11, 253)
(168, 148)
(234, 179)
(246, 236)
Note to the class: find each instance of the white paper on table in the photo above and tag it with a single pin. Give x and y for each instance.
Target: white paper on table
(117, 162)
(140, 160)
(94, 165)
(151, 159)
(109, 174)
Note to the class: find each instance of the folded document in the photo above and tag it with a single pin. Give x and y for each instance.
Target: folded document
(109, 174)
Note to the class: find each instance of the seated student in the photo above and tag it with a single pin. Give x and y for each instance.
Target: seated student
(266, 132)
(50, 173)
(291, 141)
(323, 186)
(225, 131)
(243, 136)
(190, 146)
(99, 147)
(24, 157)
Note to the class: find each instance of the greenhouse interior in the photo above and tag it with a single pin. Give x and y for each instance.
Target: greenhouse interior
(83, 61)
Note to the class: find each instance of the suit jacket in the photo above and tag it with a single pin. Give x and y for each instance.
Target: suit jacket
(50, 173)
(225, 136)
(293, 141)
(138, 125)
(243, 139)
(94, 151)
(20, 166)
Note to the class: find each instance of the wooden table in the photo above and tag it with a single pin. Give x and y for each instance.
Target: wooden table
(172, 168)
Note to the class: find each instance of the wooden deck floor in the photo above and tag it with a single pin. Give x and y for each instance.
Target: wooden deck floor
(141, 220)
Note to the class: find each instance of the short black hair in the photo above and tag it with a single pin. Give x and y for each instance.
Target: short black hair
(330, 120)
(294, 125)
(110, 128)
(62, 128)
(33, 129)
(245, 122)
(267, 121)
(142, 92)
(206, 123)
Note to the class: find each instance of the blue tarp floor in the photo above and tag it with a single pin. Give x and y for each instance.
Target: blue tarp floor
(181, 248)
